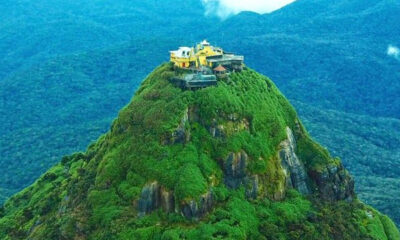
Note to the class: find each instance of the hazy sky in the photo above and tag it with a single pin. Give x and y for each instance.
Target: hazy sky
(225, 8)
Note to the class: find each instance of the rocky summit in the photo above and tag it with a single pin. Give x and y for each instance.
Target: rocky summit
(230, 161)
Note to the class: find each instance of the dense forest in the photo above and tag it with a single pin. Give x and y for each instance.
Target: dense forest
(232, 161)
(61, 84)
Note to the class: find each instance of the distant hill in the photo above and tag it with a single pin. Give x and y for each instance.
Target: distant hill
(65, 74)
(48, 105)
(33, 31)
(370, 18)
(370, 147)
(329, 53)
(45, 45)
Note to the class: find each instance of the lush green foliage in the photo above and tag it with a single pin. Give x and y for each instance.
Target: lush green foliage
(32, 32)
(93, 195)
(370, 151)
(71, 101)
(48, 46)
(334, 60)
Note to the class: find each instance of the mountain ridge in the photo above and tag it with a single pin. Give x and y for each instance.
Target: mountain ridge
(203, 164)
(295, 49)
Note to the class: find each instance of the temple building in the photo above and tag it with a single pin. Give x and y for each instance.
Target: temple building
(203, 54)
(203, 65)
(183, 57)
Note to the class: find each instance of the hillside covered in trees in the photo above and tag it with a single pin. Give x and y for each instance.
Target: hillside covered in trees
(61, 84)
(231, 161)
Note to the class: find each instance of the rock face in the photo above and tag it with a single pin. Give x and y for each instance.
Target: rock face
(235, 174)
(196, 209)
(231, 125)
(149, 198)
(216, 130)
(334, 183)
(235, 169)
(167, 200)
(296, 175)
(252, 187)
(153, 196)
(181, 134)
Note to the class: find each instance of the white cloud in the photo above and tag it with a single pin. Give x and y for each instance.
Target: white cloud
(226, 8)
(393, 51)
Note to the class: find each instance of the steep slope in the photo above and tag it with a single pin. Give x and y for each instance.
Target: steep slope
(231, 161)
(332, 55)
(354, 75)
(66, 45)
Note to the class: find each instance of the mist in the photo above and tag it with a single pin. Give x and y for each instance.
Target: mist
(393, 51)
(227, 8)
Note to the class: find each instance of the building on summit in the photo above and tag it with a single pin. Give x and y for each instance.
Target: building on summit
(184, 57)
(220, 71)
(205, 64)
(203, 54)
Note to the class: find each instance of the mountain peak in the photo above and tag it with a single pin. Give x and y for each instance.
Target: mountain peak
(227, 161)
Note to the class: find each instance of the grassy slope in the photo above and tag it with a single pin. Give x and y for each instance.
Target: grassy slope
(91, 194)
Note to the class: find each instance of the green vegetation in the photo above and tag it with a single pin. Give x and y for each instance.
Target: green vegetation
(66, 68)
(83, 94)
(369, 147)
(61, 84)
(96, 194)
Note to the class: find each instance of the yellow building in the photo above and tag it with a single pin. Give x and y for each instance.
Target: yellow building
(204, 50)
(186, 57)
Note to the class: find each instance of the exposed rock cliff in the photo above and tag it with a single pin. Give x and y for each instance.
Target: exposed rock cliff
(230, 161)
(181, 134)
(334, 183)
(153, 197)
(235, 169)
(196, 209)
(150, 198)
(295, 172)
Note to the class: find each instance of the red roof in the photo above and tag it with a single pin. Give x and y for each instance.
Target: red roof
(220, 68)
